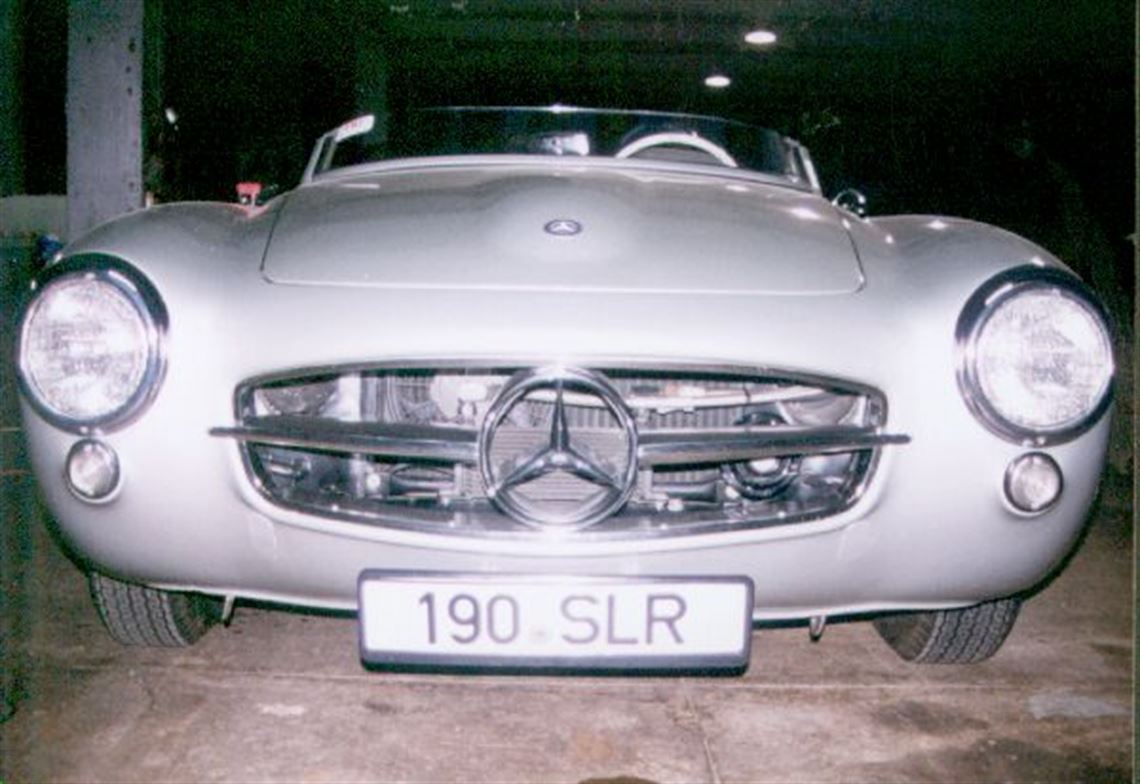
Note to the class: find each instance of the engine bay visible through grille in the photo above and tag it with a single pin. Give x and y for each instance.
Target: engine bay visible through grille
(604, 451)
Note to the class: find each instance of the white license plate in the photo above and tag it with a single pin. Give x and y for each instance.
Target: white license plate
(523, 621)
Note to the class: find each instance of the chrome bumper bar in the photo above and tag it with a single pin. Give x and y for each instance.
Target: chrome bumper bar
(460, 445)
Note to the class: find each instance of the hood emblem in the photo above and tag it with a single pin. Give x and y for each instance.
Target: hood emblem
(563, 227)
(563, 479)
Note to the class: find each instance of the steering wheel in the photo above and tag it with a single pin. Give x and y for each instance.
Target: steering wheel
(679, 138)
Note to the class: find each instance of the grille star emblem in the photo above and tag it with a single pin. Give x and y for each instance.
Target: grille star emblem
(608, 480)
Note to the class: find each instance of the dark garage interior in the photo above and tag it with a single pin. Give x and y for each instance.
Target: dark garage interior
(1019, 114)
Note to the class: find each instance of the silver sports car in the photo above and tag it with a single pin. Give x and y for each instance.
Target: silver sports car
(564, 388)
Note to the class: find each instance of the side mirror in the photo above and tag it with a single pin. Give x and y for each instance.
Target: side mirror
(851, 200)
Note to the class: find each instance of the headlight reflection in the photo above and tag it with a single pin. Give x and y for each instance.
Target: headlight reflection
(1036, 359)
(89, 343)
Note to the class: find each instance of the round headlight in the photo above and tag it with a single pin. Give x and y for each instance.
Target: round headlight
(90, 343)
(1036, 357)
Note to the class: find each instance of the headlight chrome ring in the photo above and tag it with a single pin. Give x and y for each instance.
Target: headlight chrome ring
(1035, 356)
(91, 344)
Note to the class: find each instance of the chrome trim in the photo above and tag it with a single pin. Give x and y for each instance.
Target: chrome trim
(414, 442)
(479, 519)
(477, 364)
(975, 314)
(319, 159)
(562, 227)
(716, 399)
(688, 447)
(853, 201)
(116, 471)
(143, 296)
(333, 176)
(1007, 483)
(560, 453)
(803, 157)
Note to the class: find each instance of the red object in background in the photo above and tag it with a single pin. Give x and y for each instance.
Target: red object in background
(248, 192)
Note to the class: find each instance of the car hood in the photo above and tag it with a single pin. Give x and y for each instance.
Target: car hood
(567, 228)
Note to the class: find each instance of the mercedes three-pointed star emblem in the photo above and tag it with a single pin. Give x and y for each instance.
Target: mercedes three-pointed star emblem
(611, 476)
(563, 227)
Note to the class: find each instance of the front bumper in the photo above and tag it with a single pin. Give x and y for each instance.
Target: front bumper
(931, 531)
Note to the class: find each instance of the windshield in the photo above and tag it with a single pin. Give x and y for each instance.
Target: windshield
(563, 131)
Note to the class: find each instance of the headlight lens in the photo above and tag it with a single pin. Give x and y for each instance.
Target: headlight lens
(89, 343)
(1036, 361)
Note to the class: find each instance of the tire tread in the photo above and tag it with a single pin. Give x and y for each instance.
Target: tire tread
(961, 636)
(144, 616)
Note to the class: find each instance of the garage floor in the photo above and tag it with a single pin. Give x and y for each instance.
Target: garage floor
(281, 695)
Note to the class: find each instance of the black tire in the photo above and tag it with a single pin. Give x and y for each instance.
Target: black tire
(138, 615)
(965, 636)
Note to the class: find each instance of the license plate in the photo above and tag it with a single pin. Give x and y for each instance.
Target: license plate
(522, 621)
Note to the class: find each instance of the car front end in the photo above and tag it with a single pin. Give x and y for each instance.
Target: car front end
(569, 411)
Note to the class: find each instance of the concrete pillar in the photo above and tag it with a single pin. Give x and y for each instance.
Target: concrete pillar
(104, 111)
(11, 73)
(154, 66)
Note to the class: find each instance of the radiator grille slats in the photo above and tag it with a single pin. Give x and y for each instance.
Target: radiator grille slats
(719, 449)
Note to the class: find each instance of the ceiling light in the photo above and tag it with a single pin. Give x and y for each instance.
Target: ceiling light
(760, 38)
(717, 81)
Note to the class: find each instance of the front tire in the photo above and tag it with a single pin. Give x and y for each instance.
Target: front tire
(963, 636)
(138, 615)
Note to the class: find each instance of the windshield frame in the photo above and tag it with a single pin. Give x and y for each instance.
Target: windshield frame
(799, 170)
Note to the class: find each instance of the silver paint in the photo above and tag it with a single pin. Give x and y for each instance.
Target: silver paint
(428, 261)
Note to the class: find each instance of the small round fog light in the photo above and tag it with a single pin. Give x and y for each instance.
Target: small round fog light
(1033, 482)
(92, 470)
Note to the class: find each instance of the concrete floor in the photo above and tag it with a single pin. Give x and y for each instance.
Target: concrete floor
(281, 696)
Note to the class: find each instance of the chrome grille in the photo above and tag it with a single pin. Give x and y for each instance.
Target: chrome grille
(717, 448)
